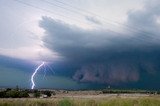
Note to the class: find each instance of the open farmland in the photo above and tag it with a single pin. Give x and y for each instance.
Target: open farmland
(86, 100)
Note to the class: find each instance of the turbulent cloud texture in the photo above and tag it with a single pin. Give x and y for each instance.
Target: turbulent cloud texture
(108, 57)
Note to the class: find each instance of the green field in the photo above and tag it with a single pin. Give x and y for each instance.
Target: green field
(109, 101)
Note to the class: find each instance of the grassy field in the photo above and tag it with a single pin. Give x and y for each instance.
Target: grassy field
(71, 101)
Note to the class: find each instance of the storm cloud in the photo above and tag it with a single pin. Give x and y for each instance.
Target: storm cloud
(108, 57)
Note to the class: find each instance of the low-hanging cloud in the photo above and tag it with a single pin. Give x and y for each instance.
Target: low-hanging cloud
(102, 56)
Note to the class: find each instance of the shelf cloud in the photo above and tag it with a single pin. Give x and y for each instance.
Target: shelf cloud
(103, 56)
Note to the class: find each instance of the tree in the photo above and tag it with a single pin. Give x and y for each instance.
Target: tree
(23, 94)
(8, 89)
(48, 93)
(36, 93)
(12, 93)
(2, 94)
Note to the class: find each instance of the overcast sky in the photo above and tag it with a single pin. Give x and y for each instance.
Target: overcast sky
(19, 25)
(87, 42)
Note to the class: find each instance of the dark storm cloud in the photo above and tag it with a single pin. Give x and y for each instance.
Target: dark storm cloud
(101, 56)
(14, 63)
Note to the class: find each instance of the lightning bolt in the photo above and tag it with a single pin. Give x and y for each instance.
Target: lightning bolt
(36, 70)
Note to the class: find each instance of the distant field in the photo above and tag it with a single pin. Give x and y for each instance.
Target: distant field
(86, 100)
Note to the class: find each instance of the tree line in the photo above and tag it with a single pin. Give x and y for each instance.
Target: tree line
(118, 91)
(19, 93)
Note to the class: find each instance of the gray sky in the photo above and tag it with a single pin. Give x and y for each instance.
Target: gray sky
(86, 41)
(19, 26)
